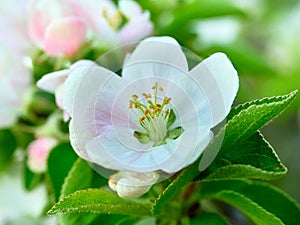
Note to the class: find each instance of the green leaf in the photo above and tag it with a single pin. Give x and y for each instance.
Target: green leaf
(181, 179)
(79, 177)
(31, 180)
(82, 218)
(8, 145)
(209, 218)
(59, 162)
(246, 119)
(240, 118)
(99, 201)
(243, 122)
(254, 158)
(261, 202)
(109, 219)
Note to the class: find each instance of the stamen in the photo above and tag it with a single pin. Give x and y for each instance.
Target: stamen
(154, 116)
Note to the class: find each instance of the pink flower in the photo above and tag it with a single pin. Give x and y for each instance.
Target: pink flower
(54, 28)
(38, 152)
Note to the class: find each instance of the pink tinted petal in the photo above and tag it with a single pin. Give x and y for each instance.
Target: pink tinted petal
(51, 81)
(135, 30)
(37, 26)
(130, 9)
(93, 12)
(64, 36)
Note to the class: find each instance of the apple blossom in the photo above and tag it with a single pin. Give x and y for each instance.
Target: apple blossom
(106, 20)
(54, 28)
(38, 152)
(157, 117)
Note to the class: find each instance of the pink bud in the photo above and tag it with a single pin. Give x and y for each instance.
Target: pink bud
(38, 152)
(64, 36)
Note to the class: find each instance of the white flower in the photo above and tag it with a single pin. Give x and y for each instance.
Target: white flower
(14, 76)
(14, 81)
(157, 116)
(106, 21)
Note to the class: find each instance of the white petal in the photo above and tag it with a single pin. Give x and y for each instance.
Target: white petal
(107, 151)
(71, 84)
(98, 154)
(218, 79)
(83, 110)
(153, 52)
(130, 8)
(135, 30)
(78, 141)
(8, 116)
(50, 81)
(200, 148)
(189, 146)
(129, 184)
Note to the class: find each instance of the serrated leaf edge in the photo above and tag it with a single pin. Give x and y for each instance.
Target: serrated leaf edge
(53, 210)
(245, 105)
(219, 197)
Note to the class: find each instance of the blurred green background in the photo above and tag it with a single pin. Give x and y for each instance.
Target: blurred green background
(261, 37)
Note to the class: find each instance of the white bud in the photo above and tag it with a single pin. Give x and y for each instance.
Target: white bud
(128, 184)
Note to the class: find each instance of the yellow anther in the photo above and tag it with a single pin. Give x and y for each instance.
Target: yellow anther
(155, 86)
(134, 96)
(167, 100)
(158, 106)
(167, 112)
(141, 119)
(146, 112)
(161, 89)
(145, 95)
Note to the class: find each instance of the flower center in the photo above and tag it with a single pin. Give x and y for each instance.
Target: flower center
(112, 20)
(153, 114)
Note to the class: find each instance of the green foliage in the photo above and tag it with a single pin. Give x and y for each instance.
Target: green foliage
(185, 13)
(8, 144)
(209, 218)
(99, 201)
(59, 163)
(254, 158)
(242, 123)
(79, 177)
(248, 118)
(261, 202)
(31, 180)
